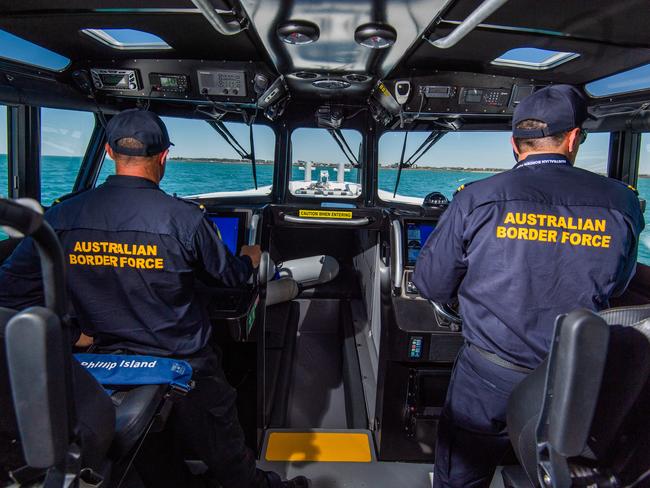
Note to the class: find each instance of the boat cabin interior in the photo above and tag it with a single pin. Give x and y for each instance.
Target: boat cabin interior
(333, 133)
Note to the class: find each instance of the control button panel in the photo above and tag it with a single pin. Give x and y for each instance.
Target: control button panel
(496, 98)
(493, 97)
(415, 347)
(411, 289)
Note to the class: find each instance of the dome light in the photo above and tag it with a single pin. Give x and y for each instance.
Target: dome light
(375, 35)
(357, 78)
(330, 84)
(305, 75)
(298, 32)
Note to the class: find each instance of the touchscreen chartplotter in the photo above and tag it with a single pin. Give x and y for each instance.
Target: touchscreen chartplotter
(232, 229)
(417, 233)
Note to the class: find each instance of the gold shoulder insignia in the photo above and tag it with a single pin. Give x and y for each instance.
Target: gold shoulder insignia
(460, 188)
(633, 189)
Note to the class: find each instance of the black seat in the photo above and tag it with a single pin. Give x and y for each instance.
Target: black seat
(135, 410)
(581, 418)
(51, 407)
(95, 415)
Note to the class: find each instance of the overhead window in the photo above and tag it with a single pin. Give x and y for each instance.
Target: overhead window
(15, 48)
(628, 81)
(126, 39)
(533, 58)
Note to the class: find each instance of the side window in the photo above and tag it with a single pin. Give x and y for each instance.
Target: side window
(643, 185)
(4, 175)
(65, 135)
(594, 152)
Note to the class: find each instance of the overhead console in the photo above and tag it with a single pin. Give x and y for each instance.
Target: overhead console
(445, 93)
(233, 82)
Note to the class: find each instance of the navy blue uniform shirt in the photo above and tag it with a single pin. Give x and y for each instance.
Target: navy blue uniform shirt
(134, 254)
(525, 245)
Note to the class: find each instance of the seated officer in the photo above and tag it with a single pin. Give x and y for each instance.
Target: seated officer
(518, 249)
(134, 254)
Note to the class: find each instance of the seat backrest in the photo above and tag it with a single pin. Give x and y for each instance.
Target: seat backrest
(35, 362)
(576, 364)
(594, 402)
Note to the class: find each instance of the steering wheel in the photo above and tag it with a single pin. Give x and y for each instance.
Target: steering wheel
(448, 313)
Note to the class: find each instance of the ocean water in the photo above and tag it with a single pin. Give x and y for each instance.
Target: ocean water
(186, 178)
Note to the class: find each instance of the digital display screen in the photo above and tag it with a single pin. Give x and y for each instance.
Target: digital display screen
(115, 80)
(473, 96)
(417, 234)
(229, 231)
(168, 82)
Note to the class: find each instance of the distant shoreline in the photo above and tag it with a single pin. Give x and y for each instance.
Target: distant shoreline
(263, 162)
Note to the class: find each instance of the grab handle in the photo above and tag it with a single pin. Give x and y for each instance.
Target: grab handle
(348, 223)
(482, 12)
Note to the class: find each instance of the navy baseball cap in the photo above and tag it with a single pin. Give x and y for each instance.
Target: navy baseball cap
(561, 107)
(141, 125)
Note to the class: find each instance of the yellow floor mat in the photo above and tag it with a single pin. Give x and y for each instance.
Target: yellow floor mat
(318, 447)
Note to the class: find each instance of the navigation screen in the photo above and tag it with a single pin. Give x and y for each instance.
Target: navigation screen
(416, 235)
(229, 230)
(168, 82)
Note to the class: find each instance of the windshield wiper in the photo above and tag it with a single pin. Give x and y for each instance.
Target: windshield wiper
(422, 149)
(232, 141)
(338, 136)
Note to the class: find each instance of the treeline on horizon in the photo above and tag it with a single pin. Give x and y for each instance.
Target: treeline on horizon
(317, 164)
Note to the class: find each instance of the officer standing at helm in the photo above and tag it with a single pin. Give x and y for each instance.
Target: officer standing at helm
(518, 249)
(134, 254)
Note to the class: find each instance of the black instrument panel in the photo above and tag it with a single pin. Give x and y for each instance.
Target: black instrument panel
(180, 79)
(457, 93)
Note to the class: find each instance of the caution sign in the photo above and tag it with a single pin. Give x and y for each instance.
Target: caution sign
(325, 214)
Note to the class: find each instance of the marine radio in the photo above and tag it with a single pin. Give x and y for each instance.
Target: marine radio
(115, 79)
(169, 83)
(222, 83)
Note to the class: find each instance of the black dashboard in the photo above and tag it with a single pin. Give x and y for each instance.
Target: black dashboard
(180, 79)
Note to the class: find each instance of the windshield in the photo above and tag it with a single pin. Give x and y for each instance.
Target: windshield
(201, 163)
(325, 163)
(459, 158)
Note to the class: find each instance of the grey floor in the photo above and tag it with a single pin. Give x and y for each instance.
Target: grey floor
(317, 401)
(317, 394)
(361, 475)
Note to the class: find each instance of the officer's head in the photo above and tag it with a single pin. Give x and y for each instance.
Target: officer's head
(138, 142)
(549, 121)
